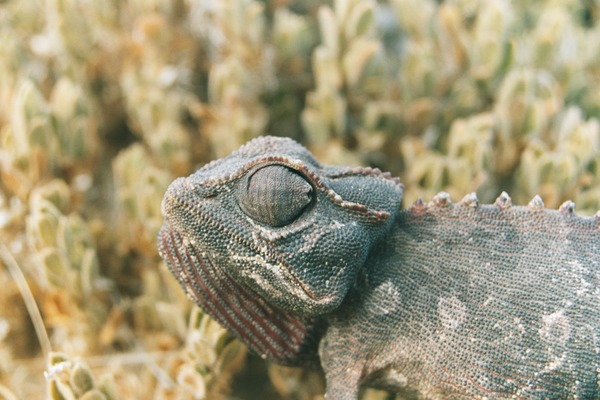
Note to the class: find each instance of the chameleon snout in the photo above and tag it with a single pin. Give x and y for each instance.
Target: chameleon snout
(183, 193)
(170, 200)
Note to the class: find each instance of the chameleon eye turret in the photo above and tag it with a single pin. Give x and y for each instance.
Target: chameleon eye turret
(274, 195)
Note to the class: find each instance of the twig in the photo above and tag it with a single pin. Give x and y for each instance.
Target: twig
(28, 299)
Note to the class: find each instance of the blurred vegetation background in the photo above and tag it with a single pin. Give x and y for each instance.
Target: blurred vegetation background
(103, 103)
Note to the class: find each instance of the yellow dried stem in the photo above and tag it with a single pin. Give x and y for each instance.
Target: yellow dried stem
(34, 312)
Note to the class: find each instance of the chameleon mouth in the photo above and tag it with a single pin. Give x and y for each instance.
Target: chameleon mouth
(267, 330)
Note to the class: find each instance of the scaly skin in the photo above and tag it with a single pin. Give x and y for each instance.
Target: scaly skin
(309, 264)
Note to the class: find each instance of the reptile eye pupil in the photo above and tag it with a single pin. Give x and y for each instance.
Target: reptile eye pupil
(275, 195)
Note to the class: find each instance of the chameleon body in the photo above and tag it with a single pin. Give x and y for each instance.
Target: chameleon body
(313, 265)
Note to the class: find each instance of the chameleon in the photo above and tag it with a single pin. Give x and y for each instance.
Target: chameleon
(319, 266)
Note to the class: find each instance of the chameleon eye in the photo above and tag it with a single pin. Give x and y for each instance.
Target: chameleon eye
(275, 195)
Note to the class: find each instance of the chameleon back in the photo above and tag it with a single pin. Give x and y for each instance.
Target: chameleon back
(468, 301)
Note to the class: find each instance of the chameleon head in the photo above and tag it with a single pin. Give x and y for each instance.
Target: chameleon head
(277, 223)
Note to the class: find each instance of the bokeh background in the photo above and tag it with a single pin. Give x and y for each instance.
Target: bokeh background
(103, 103)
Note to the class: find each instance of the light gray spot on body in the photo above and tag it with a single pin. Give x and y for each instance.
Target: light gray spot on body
(556, 328)
(452, 312)
(385, 299)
